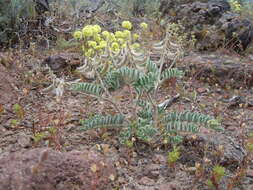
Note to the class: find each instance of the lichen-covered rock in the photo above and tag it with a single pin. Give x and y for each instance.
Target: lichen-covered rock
(212, 22)
(41, 169)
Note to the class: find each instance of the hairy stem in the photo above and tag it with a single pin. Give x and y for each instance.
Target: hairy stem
(110, 98)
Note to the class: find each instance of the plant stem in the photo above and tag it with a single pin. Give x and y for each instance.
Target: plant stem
(105, 99)
(154, 102)
(110, 98)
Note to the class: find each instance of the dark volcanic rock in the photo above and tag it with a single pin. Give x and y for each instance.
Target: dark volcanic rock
(212, 23)
(238, 31)
(223, 69)
(41, 169)
(62, 62)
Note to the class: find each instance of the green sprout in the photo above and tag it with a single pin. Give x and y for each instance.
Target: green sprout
(217, 174)
(173, 156)
(19, 111)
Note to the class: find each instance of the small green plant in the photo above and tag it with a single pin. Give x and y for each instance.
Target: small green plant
(39, 136)
(15, 122)
(49, 134)
(19, 111)
(216, 176)
(49, 129)
(118, 59)
(173, 156)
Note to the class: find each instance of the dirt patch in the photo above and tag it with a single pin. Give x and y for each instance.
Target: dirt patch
(8, 86)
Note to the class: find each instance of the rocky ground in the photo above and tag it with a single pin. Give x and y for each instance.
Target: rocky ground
(141, 167)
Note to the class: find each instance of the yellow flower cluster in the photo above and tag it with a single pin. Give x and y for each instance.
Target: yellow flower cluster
(94, 40)
(236, 6)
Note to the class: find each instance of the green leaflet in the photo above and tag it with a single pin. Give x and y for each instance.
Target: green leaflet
(145, 113)
(103, 121)
(143, 103)
(179, 126)
(187, 116)
(176, 139)
(146, 132)
(129, 74)
(151, 67)
(113, 80)
(171, 73)
(145, 82)
(88, 88)
(189, 122)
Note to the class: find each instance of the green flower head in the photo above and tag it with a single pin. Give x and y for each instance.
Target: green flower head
(92, 43)
(96, 29)
(87, 31)
(115, 47)
(89, 53)
(144, 25)
(102, 44)
(126, 34)
(127, 25)
(135, 46)
(77, 35)
(119, 34)
(97, 37)
(112, 37)
(106, 34)
(136, 36)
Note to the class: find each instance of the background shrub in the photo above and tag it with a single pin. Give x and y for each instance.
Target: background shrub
(15, 14)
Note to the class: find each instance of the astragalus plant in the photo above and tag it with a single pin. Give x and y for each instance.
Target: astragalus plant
(119, 59)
